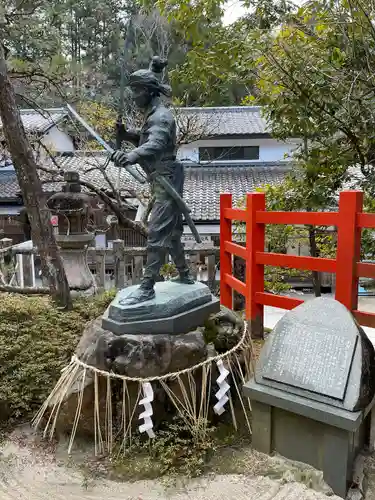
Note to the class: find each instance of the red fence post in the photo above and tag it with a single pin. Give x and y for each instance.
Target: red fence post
(226, 296)
(254, 272)
(348, 248)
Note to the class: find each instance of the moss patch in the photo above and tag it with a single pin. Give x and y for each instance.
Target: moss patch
(210, 331)
(176, 454)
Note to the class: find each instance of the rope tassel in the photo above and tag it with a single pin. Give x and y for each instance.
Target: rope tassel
(224, 387)
(148, 397)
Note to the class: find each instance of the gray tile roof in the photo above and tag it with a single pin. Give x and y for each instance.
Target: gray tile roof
(223, 121)
(89, 164)
(210, 122)
(203, 184)
(9, 187)
(40, 122)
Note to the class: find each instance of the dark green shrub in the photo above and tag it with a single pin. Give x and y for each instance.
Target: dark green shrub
(36, 341)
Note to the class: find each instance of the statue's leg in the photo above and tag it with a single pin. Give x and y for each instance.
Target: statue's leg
(178, 255)
(155, 259)
(156, 250)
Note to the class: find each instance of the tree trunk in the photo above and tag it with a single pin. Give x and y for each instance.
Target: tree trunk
(31, 188)
(317, 282)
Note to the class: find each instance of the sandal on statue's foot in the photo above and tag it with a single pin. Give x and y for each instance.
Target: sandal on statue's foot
(184, 278)
(141, 294)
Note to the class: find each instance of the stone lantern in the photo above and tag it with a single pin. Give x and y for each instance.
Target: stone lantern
(73, 210)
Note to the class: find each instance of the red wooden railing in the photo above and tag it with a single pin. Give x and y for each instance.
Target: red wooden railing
(349, 221)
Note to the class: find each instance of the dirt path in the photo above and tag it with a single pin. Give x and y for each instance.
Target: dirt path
(32, 473)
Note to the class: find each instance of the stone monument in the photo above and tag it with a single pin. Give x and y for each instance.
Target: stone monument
(313, 390)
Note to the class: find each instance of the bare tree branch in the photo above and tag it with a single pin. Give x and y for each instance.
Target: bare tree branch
(25, 290)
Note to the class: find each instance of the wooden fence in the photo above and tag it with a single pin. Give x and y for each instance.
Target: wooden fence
(112, 267)
(349, 221)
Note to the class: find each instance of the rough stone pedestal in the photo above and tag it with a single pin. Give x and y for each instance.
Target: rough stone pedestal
(133, 356)
(176, 309)
(313, 390)
(144, 356)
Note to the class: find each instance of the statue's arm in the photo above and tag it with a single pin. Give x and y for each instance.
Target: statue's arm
(132, 136)
(159, 132)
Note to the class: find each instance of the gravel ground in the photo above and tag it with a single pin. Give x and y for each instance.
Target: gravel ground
(29, 472)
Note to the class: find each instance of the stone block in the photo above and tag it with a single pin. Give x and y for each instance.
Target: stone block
(307, 431)
(133, 356)
(176, 309)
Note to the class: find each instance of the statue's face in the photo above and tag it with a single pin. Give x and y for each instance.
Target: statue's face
(141, 97)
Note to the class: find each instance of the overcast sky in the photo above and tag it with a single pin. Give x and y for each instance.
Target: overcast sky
(233, 11)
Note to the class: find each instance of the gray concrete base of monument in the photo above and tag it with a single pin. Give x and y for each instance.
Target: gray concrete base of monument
(308, 431)
(177, 308)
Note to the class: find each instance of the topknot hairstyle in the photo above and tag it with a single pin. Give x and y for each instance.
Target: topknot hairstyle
(157, 65)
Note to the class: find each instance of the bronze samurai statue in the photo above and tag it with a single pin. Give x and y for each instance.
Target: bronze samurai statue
(155, 152)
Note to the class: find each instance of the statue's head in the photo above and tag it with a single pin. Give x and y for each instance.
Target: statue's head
(145, 83)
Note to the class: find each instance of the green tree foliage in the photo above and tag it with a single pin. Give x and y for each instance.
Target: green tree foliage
(368, 236)
(30, 31)
(218, 69)
(83, 47)
(87, 45)
(315, 78)
(72, 42)
(312, 70)
(198, 78)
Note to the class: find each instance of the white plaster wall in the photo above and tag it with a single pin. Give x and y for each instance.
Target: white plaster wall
(58, 141)
(269, 149)
(8, 168)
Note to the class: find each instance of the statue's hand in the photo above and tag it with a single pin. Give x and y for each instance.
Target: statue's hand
(120, 159)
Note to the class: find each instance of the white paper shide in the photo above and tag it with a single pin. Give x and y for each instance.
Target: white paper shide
(224, 387)
(148, 397)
